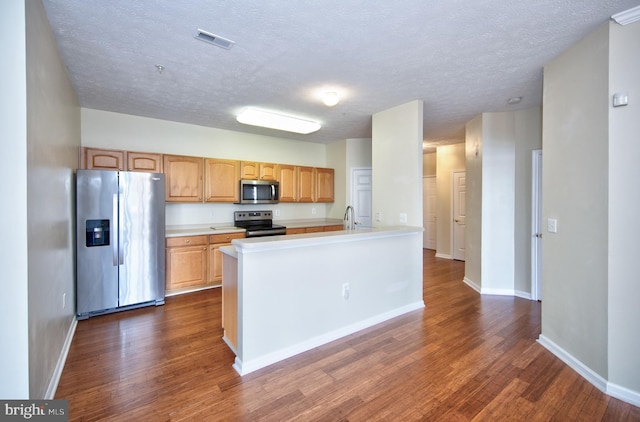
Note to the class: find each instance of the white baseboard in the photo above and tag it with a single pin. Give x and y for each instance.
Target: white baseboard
(524, 295)
(614, 390)
(598, 381)
(62, 359)
(471, 284)
(441, 255)
(624, 394)
(246, 367)
(497, 292)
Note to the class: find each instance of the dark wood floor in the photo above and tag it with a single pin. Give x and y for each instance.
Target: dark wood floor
(464, 357)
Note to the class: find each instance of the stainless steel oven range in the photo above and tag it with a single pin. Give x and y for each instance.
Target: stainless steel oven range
(257, 223)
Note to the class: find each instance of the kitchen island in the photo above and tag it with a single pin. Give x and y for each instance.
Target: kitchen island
(283, 295)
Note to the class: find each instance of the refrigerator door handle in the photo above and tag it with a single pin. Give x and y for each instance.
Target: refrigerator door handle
(116, 232)
(120, 230)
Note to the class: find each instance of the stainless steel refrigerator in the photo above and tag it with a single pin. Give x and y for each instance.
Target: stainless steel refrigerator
(120, 256)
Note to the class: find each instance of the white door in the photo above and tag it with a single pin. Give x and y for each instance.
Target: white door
(536, 225)
(361, 183)
(429, 213)
(459, 214)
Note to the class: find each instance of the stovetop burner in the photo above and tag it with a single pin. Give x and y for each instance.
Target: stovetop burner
(257, 223)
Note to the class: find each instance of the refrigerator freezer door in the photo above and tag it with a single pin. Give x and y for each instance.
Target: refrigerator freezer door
(97, 276)
(141, 238)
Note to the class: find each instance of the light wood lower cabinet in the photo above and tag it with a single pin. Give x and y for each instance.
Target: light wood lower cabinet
(215, 256)
(315, 229)
(186, 263)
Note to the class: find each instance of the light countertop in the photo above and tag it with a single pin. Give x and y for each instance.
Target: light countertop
(222, 228)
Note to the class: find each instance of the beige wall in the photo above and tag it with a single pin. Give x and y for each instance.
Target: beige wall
(397, 165)
(473, 231)
(14, 318)
(449, 158)
(53, 137)
(624, 202)
(575, 192)
(429, 164)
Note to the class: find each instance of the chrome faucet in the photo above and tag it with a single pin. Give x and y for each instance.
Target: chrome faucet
(349, 218)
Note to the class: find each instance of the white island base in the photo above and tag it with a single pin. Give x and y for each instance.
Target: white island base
(284, 295)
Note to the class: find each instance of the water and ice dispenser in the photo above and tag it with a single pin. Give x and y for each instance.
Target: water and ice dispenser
(97, 232)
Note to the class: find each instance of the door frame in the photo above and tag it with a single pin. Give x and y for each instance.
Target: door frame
(452, 216)
(424, 212)
(536, 224)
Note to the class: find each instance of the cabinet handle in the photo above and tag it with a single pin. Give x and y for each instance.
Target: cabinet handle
(188, 241)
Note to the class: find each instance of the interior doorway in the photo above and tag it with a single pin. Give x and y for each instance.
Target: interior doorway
(458, 211)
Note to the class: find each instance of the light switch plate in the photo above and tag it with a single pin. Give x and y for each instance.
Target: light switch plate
(552, 225)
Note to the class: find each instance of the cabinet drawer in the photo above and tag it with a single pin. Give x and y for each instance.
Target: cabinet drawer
(186, 241)
(333, 228)
(225, 237)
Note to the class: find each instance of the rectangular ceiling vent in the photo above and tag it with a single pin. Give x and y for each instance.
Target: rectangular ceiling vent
(216, 40)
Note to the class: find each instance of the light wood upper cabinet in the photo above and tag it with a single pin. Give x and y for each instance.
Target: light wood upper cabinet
(221, 180)
(324, 185)
(306, 184)
(144, 161)
(287, 176)
(101, 159)
(183, 178)
(252, 170)
(268, 171)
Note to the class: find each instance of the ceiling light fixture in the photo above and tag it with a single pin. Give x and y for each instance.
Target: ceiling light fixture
(330, 98)
(256, 117)
(514, 100)
(628, 16)
(214, 39)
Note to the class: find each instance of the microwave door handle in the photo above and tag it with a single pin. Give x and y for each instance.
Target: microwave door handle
(273, 191)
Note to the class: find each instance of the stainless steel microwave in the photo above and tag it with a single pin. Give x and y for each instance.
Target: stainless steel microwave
(259, 192)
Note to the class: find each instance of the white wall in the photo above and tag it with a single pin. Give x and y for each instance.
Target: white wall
(53, 130)
(498, 230)
(498, 203)
(624, 202)
(103, 129)
(397, 165)
(429, 164)
(449, 158)
(575, 192)
(14, 353)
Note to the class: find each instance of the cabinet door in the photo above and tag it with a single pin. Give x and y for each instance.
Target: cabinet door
(186, 267)
(215, 263)
(268, 171)
(101, 159)
(306, 184)
(249, 170)
(324, 185)
(144, 161)
(221, 180)
(333, 228)
(288, 183)
(183, 178)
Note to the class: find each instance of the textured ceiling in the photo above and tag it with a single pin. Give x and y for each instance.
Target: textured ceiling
(460, 57)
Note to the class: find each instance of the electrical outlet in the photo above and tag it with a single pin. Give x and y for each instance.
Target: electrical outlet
(552, 225)
(403, 217)
(378, 216)
(345, 291)
(276, 213)
(313, 211)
